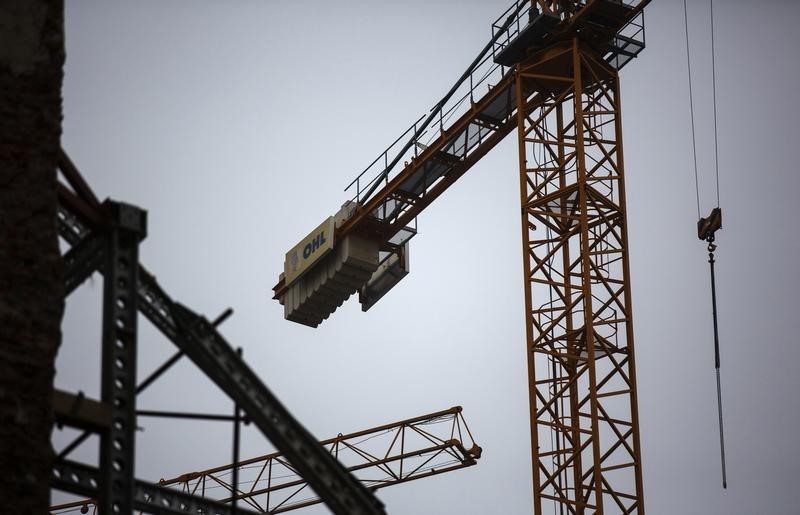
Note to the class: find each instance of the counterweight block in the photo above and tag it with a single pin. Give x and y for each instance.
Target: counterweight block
(312, 298)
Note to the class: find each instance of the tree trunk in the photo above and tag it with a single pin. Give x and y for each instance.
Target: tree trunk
(31, 282)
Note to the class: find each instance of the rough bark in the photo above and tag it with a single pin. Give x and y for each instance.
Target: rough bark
(31, 283)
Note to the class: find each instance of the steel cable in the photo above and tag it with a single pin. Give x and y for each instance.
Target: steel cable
(710, 238)
(691, 107)
(714, 95)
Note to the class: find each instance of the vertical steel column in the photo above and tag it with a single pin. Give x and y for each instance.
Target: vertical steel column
(526, 244)
(127, 227)
(582, 386)
(588, 344)
(634, 398)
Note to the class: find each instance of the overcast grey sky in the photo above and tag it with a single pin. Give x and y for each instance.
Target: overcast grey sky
(237, 125)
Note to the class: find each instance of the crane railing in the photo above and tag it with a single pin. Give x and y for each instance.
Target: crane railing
(482, 72)
(481, 104)
(525, 24)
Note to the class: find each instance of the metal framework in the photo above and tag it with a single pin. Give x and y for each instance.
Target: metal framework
(582, 381)
(383, 456)
(552, 74)
(105, 237)
(118, 381)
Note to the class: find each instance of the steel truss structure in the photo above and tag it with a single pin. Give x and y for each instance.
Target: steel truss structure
(383, 456)
(105, 238)
(582, 379)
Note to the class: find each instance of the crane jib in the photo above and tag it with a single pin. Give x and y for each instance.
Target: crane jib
(410, 175)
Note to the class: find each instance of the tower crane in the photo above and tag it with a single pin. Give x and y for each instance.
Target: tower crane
(550, 70)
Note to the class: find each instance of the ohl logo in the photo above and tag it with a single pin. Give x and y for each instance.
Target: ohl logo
(314, 244)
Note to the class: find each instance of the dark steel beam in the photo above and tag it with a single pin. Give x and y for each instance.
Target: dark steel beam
(159, 372)
(83, 480)
(82, 260)
(74, 444)
(342, 493)
(79, 207)
(198, 338)
(128, 226)
(184, 415)
(79, 411)
(76, 180)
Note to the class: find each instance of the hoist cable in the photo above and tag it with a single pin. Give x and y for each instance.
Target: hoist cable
(691, 108)
(714, 94)
(711, 248)
(708, 233)
(711, 258)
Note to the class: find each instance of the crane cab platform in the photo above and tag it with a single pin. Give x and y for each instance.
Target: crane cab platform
(539, 26)
(392, 269)
(612, 27)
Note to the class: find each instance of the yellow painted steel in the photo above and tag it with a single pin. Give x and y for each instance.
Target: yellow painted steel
(311, 249)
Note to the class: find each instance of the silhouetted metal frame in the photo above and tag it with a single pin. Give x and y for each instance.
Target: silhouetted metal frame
(83, 479)
(582, 381)
(127, 227)
(398, 452)
(85, 225)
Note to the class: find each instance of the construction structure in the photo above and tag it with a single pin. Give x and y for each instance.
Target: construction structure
(104, 237)
(383, 456)
(550, 70)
